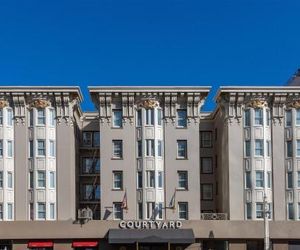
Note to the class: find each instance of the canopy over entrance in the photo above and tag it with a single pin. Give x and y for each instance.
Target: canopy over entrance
(130, 236)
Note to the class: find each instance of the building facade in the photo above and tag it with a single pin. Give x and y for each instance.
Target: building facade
(149, 169)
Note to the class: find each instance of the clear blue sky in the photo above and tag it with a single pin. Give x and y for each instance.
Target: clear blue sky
(148, 42)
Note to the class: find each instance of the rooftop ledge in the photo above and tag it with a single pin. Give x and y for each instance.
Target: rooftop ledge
(141, 89)
(45, 89)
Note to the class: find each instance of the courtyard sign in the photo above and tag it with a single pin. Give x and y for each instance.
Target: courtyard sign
(150, 224)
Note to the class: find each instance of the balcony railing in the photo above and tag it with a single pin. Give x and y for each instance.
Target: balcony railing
(214, 216)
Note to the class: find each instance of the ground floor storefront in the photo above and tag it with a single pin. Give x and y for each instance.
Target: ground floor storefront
(199, 245)
(109, 235)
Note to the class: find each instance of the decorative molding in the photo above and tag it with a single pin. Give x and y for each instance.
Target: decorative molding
(3, 103)
(148, 103)
(257, 102)
(40, 103)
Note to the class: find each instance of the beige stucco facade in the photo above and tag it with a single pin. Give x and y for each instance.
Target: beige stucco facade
(150, 154)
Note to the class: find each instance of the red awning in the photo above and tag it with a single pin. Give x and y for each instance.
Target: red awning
(33, 244)
(85, 243)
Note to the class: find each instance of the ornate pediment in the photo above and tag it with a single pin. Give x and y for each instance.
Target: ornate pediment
(148, 103)
(294, 104)
(3, 103)
(257, 103)
(40, 103)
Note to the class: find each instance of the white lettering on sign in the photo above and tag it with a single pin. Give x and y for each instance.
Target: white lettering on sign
(150, 224)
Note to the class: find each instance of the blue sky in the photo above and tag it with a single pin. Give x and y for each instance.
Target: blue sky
(178, 42)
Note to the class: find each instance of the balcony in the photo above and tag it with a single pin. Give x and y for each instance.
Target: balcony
(214, 216)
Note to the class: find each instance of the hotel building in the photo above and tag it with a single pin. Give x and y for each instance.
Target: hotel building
(149, 169)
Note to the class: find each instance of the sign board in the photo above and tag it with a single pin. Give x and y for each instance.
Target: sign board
(150, 224)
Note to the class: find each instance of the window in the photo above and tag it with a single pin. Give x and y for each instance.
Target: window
(90, 165)
(52, 149)
(1, 148)
(289, 180)
(52, 211)
(1, 179)
(117, 211)
(269, 179)
(10, 149)
(159, 148)
(52, 117)
(182, 149)
(87, 192)
(298, 179)
(249, 211)
(9, 211)
(1, 116)
(206, 139)
(268, 117)
(297, 117)
(248, 180)
(52, 179)
(289, 149)
(259, 179)
(150, 179)
(30, 114)
(9, 180)
(258, 116)
(150, 150)
(31, 180)
(159, 117)
(87, 139)
(160, 177)
(288, 118)
(183, 210)
(118, 180)
(149, 116)
(182, 180)
(117, 149)
(247, 122)
(30, 149)
(150, 210)
(41, 150)
(298, 148)
(206, 191)
(140, 179)
(269, 145)
(117, 118)
(206, 165)
(259, 210)
(139, 118)
(41, 179)
(140, 210)
(41, 117)
(41, 210)
(96, 139)
(1, 211)
(247, 148)
(9, 117)
(181, 118)
(139, 148)
(160, 211)
(291, 215)
(298, 211)
(259, 147)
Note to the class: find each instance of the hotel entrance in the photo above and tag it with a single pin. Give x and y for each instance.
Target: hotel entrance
(151, 239)
(153, 246)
